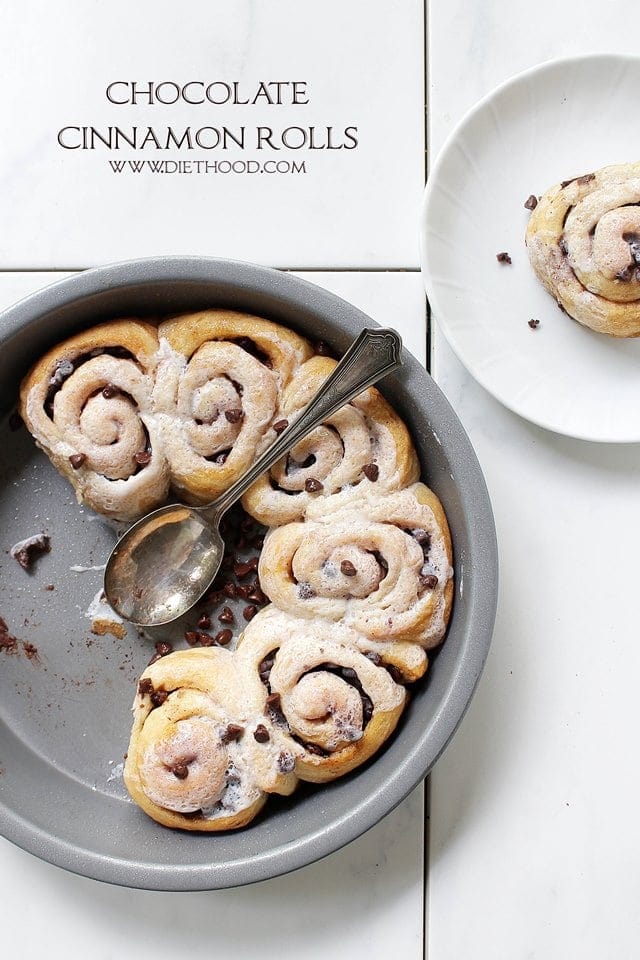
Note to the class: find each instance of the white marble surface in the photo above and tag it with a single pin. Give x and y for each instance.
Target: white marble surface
(352, 207)
(534, 838)
(354, 903)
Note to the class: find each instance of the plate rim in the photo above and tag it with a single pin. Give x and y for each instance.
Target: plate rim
(439, 314)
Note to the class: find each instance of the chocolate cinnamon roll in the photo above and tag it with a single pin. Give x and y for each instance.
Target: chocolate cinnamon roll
(583, 240)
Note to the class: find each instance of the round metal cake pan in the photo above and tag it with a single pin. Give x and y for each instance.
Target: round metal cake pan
(65, 715)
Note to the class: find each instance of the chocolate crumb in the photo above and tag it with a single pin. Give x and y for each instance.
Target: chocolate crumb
(503, 257)
(30, 651)
(8, 643)
(77, 459)
(27, 551)
(531, 202)
(533, 323)
(312, 485)
(261, 734)
(49, 586)
(347, 569)
(280, 425)
(371, 471)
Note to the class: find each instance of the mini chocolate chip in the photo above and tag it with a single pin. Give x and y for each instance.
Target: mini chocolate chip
(273, 701)
(205, 639)
(226, 616)
(280, 425)
(163, 648)
(428, 580)
(286, 762)
(254, 563)
(249, 612)
(531, 202)
(180, 770)
(229, 589)
(243, 590)
(204, 622)
(233, 732)
(77, 459)
(561, 306)
(223, 637)
(158, 697)
(145, 686)
(315, 749)
(312, 485)
(261, 734)
(234, 415)
(371, 471)
(242, 569)
(143, 457)
(534, 324)
(503, 257)
(191, 636)
(348, 569)
(109, 391)
(256, 594)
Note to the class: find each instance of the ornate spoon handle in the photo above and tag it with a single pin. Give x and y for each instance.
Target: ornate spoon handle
(371, 356)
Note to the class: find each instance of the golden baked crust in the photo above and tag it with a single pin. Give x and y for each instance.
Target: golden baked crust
(583, 240)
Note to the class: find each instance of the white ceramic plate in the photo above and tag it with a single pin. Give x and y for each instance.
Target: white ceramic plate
(559, 120)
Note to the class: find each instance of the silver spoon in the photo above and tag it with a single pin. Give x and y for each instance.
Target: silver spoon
(167, 560)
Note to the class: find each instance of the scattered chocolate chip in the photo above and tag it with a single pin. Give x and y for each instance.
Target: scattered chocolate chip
(315, 749)
(234, 415)
(428, 580)
(503, 257)
(163, 648)
(423, 537)
(158, 697)
(561, 306)
(254, 563)
(256, 594)
(533, 323)
(180, 770)
(109, 391)
(229, 589)
(204, 622)
(191, 636)
(531, 202)
(249, 612)
(261, 734)
(27, 551)
(312, 485)
(242, 569)
(371, 471)
(233, 732)
(143, 457)
(347, 569)
(226, 616)
(205, 639)
(223, 637)
(394, 672)
(77, 459)
(243, 590)
(49, 586)
(280, 425)
(15, 421)
(264, 667)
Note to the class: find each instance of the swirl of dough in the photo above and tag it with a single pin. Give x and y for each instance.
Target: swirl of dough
(382, 567)
(365, 445)
(334, 705)
(216, 394)
(88, 405)
(192, 761)
(583, 240)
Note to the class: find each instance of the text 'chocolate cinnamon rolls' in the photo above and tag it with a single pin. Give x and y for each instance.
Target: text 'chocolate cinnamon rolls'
(583, 240)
